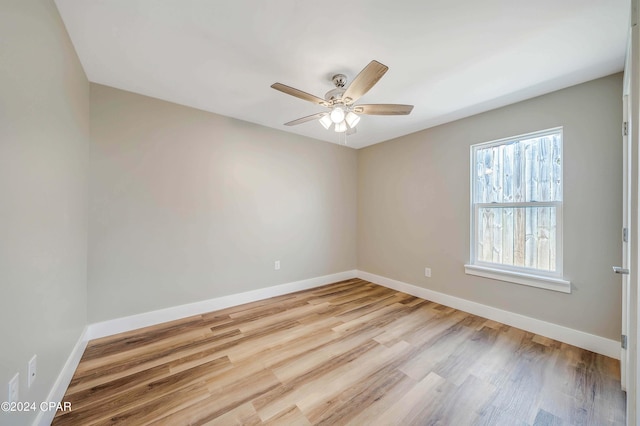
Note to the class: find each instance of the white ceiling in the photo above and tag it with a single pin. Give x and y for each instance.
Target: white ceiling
(450, 59)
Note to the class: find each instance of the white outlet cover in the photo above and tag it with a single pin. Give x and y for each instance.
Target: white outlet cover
(32, 370)
(427, 272)
(14, 388)
(276, 265)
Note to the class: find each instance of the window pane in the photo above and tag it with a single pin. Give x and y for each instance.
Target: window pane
(517, 236)
(519, 171)
(542, 168)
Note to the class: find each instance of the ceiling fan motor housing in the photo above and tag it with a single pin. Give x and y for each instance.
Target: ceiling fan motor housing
(340, 80)
(334, 94)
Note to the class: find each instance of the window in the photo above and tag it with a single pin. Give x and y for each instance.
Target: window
(516, 210)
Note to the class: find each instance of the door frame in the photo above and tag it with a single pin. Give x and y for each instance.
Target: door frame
(626, 196)
(632, 86)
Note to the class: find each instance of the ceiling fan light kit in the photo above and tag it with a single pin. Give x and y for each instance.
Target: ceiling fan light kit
(326, 122)
(343, 114)
(340, 127)
(352, 119)
(337, 115)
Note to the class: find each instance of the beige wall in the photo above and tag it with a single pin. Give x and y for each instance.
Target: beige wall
(413, 206)
(44, 146)
(187, 205)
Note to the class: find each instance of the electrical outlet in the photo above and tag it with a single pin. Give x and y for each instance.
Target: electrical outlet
(14, 388)
(32, 370)
(276, 265)
(427, 272)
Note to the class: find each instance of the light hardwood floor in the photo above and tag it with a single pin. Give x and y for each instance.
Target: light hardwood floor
(347, 353)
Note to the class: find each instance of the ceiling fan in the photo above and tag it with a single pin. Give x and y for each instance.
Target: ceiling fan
(343, 114)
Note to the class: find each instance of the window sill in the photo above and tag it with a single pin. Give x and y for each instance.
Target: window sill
(549, 283)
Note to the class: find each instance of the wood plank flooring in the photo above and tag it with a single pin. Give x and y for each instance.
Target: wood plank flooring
(347, 353)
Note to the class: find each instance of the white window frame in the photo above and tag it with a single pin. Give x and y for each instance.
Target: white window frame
(551, 280)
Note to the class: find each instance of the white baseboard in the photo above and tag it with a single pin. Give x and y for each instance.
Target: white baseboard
(133, 322)
(591, 342)
(44, 418)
